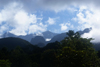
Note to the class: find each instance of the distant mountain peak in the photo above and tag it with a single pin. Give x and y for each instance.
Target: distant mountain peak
(8, 34)
(47, 31)
(48, 34)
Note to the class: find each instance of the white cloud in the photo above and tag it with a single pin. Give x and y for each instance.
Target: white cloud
(51, 21)
(90, 18)
(22, 22)
(37, 28)
(59, 5)
(47, 39)
(55, 5)
(93, 34)
(14, 13)
(3, 28)
(65, 26)
(18, 21)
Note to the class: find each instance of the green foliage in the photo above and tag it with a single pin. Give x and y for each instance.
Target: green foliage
(76, 42)
(81, 58)
(5, 63)
(19, 58)
(48, 58)
(73, 51)
(78, 52)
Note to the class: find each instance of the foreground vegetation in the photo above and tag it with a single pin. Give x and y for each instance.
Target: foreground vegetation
(73, 51)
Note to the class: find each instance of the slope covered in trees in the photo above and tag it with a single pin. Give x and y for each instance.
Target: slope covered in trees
(12, 42)
(73, 51)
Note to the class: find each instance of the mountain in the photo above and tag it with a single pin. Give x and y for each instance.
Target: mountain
(58, 37)
(27, 37)
(8, 34)
(12, 42)
(38, 40)
(61, 36)
(97, 46)
(48, 34)
(41, 40)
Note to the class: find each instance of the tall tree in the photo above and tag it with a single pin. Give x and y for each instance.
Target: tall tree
(5, 63)
(77, 51)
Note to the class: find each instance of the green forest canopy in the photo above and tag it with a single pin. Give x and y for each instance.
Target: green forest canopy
(73, 51)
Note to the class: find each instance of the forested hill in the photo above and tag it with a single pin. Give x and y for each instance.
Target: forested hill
(12, 43)
(70, 52)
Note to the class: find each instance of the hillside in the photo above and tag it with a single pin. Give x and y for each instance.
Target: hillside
(12, 42)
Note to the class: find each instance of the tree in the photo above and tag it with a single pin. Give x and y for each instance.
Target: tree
(48, 58)
(4, 53)
(77, 51)
(5, 63)
(19, 58)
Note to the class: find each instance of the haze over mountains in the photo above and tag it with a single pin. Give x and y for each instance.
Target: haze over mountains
(46, 35)
(11, 41)
(42, 39)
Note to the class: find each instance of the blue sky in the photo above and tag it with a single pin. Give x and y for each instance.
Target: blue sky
(22, 17)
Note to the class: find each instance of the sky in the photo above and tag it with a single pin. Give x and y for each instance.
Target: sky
(22, 17)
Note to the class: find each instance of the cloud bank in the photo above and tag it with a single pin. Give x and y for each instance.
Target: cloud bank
(87, 17)
(17, 16)
(16, 20)
(66, 26)
(55, 5)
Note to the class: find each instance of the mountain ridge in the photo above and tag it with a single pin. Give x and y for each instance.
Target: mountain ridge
(13, 42)
(28, 37)
(37, 39)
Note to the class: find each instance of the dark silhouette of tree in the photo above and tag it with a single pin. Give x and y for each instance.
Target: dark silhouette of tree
(73, 51)
(77, 51)
(5, 63)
